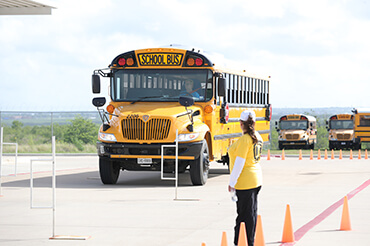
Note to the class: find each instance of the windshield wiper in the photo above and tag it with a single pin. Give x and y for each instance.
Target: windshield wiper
(142, 98)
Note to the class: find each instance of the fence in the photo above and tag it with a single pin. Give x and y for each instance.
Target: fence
(33, 129)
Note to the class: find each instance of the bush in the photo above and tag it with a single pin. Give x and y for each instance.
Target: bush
(81, 131)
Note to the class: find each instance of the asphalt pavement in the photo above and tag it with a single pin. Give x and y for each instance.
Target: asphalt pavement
(141, 209)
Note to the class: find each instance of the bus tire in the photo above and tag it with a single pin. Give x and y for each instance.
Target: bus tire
(199, 168)
(109, 171)
(331, 146)
(280, 146)
(312, 146)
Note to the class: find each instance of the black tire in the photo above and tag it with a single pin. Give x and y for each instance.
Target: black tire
(312, 146)
(199, 168)
(331, 146)
(109, 171)
(280, 146)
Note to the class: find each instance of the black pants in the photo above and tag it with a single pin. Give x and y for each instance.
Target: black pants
(246, 207)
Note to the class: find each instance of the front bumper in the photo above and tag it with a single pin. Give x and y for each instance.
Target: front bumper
(128, 155)
(341, 144)
(293, 143)
(187, 151)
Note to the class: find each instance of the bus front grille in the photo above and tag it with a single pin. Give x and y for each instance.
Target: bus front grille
(342, 136)
(292, 136)
(153, 129)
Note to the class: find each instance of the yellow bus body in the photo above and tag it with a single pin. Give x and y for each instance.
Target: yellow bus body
(341, 133)
(297, 131)
(141, 127)
(361, 126)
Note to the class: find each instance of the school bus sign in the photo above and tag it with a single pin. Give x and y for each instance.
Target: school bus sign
(160, 59)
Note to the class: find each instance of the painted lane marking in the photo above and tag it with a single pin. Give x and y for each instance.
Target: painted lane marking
(318, 219)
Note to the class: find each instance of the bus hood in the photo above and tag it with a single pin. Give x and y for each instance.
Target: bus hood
(341, 134)
(293, 134)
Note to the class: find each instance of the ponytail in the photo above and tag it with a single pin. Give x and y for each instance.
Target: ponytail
(248, 128)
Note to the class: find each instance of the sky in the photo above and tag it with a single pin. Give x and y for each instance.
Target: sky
(317, 52)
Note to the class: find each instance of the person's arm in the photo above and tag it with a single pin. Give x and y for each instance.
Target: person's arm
(237, 170)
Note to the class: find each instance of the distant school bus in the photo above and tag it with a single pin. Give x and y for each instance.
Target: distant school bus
(341, 133)
(296, 131)
(158, 92)
(361, 126)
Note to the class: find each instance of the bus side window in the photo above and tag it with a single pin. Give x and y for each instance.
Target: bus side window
(227, 99)
(248, 91)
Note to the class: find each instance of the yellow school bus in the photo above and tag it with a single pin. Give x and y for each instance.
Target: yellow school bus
(341, 133)
(157, 92)
(361, 126)
(296, 131)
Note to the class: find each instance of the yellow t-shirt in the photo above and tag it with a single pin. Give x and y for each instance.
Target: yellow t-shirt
(251, 175)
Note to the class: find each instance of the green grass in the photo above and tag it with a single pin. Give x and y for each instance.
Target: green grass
(46, 148)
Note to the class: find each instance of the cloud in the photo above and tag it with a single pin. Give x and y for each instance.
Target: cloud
(317, 52)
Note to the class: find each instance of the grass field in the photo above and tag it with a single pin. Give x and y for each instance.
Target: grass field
(46, 148)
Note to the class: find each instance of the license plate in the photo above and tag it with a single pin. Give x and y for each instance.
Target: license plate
(144, 160)
(343, 143)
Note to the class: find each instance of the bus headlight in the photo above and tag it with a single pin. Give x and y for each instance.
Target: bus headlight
(187, 137)
(107, 137)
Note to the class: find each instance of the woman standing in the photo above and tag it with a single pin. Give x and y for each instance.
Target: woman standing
(246, 175)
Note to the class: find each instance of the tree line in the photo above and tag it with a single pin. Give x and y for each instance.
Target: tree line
(82, 131)
(79, 132)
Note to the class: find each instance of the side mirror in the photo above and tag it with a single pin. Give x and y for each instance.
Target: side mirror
(95, 82)
(224, 113)
(98, 101)
(186, 101)
(221, 87)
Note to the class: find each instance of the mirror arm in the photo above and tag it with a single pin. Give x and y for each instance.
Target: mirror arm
(103, 115)
(102, 73)
(190, 115)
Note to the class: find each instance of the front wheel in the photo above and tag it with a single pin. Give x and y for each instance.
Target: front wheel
(199, 168)
(109, 171)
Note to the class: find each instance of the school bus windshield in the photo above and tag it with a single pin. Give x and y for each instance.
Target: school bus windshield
(161, 85)
(341, 124)
(294, 125)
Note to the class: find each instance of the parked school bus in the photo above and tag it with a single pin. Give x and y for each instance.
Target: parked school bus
(296, 131)
(341, 133)
(361, 126)
(156, 92)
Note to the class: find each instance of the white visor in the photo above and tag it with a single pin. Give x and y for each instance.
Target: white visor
(246, 114)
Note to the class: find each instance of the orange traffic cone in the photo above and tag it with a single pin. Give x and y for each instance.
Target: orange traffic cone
(268, 155)
(359, 154)
(318, 155)
(288, 236)
(340, 154)
(242, 241)
(224, 239)
(311, 155)
(345, 224)
(259, 239)
(332, 154)
(326, 154)
(350, 154)
(366, 157)
(283, 155)
(300, 154)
